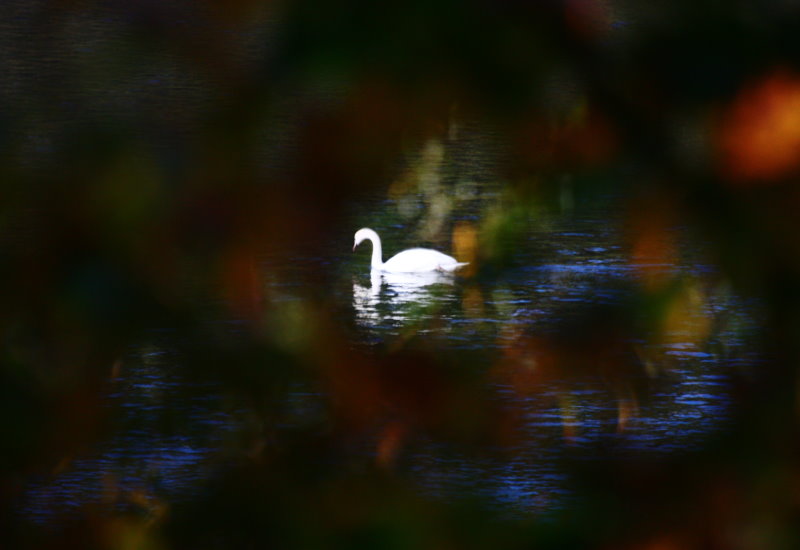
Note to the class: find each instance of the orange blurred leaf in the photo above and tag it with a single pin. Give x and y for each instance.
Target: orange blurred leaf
(759, 135)
(241, 280)
(653, 250)
(389, 443)
(465, 246)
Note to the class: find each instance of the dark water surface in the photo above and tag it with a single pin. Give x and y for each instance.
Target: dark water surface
(170, 432)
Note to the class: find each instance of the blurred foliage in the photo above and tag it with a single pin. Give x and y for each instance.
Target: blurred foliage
(154, 153)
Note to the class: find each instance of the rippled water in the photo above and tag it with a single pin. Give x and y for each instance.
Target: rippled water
(576, 264)
(166, 428)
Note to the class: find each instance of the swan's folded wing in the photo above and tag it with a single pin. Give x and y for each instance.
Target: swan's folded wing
(417, 260)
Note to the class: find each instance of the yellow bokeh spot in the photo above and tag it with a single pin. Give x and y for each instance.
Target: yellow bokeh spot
(465, 246)
(686, 319)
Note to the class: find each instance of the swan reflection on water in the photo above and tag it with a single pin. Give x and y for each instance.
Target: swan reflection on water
(390, 296)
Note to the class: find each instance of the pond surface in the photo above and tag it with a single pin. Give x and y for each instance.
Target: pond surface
(169, 431)
(573, 264)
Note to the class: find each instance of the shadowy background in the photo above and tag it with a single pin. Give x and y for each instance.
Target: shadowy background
(153, 153)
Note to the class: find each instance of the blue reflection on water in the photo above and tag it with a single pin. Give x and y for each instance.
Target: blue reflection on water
(159, 447)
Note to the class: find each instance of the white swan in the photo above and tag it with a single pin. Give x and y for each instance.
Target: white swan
(413, 260)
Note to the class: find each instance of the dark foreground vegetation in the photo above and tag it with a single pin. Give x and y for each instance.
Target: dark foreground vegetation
(154, 153)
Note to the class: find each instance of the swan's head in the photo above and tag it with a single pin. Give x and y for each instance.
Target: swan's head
(361, 235)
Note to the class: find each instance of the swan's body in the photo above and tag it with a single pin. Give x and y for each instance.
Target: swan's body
(413, 260)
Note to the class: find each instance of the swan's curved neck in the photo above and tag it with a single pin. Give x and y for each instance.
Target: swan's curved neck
(377, 251)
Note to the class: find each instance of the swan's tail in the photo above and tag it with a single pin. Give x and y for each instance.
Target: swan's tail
(452, 267)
